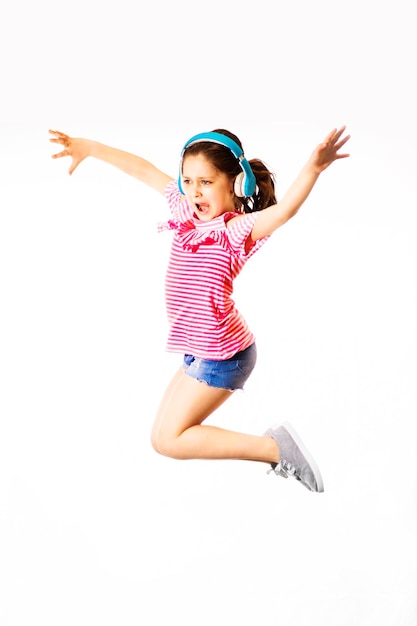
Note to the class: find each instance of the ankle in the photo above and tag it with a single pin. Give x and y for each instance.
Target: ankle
(273, 450)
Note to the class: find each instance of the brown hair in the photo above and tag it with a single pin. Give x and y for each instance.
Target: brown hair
(225, 161)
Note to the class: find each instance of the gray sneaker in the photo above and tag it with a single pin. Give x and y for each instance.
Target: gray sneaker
(295, 459)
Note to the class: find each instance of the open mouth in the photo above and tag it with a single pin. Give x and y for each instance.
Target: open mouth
(202, 208)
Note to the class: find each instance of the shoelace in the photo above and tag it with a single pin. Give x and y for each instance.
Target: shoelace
(283, 468)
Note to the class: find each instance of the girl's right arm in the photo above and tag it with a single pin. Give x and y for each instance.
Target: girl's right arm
(80, 149)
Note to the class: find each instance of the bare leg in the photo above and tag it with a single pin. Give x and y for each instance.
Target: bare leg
(178, 431)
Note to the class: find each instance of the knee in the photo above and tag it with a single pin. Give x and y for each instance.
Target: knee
(155, 442)
(164, 445)
(160, 444)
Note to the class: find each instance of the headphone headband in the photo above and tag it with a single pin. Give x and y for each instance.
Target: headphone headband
(219, 138)
(245, 182)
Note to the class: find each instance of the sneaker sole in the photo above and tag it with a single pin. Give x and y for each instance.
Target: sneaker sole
(317, 475)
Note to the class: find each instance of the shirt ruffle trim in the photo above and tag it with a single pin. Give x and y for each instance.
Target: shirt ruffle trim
(191, 238)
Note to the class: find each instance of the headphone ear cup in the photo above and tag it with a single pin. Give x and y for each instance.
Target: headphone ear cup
(180, 184)
(239, 185)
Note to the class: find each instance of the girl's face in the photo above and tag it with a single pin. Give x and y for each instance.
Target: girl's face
(207, 189)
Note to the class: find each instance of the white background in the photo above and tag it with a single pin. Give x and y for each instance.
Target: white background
(96, 528)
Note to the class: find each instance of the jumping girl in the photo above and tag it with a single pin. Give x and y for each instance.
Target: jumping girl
(223, 208)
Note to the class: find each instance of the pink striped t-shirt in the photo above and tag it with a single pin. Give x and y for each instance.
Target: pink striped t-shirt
(205, 258)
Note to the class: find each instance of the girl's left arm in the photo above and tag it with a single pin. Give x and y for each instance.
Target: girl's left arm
(276, 215)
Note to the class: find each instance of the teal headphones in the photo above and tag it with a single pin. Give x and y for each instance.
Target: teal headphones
(245, 182)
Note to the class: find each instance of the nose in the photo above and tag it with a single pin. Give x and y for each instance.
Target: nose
(196, 191)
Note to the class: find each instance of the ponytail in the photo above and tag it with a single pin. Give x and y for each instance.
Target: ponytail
(264, 195)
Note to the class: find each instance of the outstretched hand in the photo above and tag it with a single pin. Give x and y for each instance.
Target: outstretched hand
(328, 151)
(77, 149)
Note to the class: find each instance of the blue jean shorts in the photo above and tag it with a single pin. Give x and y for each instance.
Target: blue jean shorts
(230, 374)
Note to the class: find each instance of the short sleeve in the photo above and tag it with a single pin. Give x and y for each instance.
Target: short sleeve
(238, 233)
(178, 205)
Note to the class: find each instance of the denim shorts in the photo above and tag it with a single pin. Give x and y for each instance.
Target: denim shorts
(230, 374)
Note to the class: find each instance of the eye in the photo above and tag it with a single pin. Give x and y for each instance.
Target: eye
(186, 181)
(206, 182)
